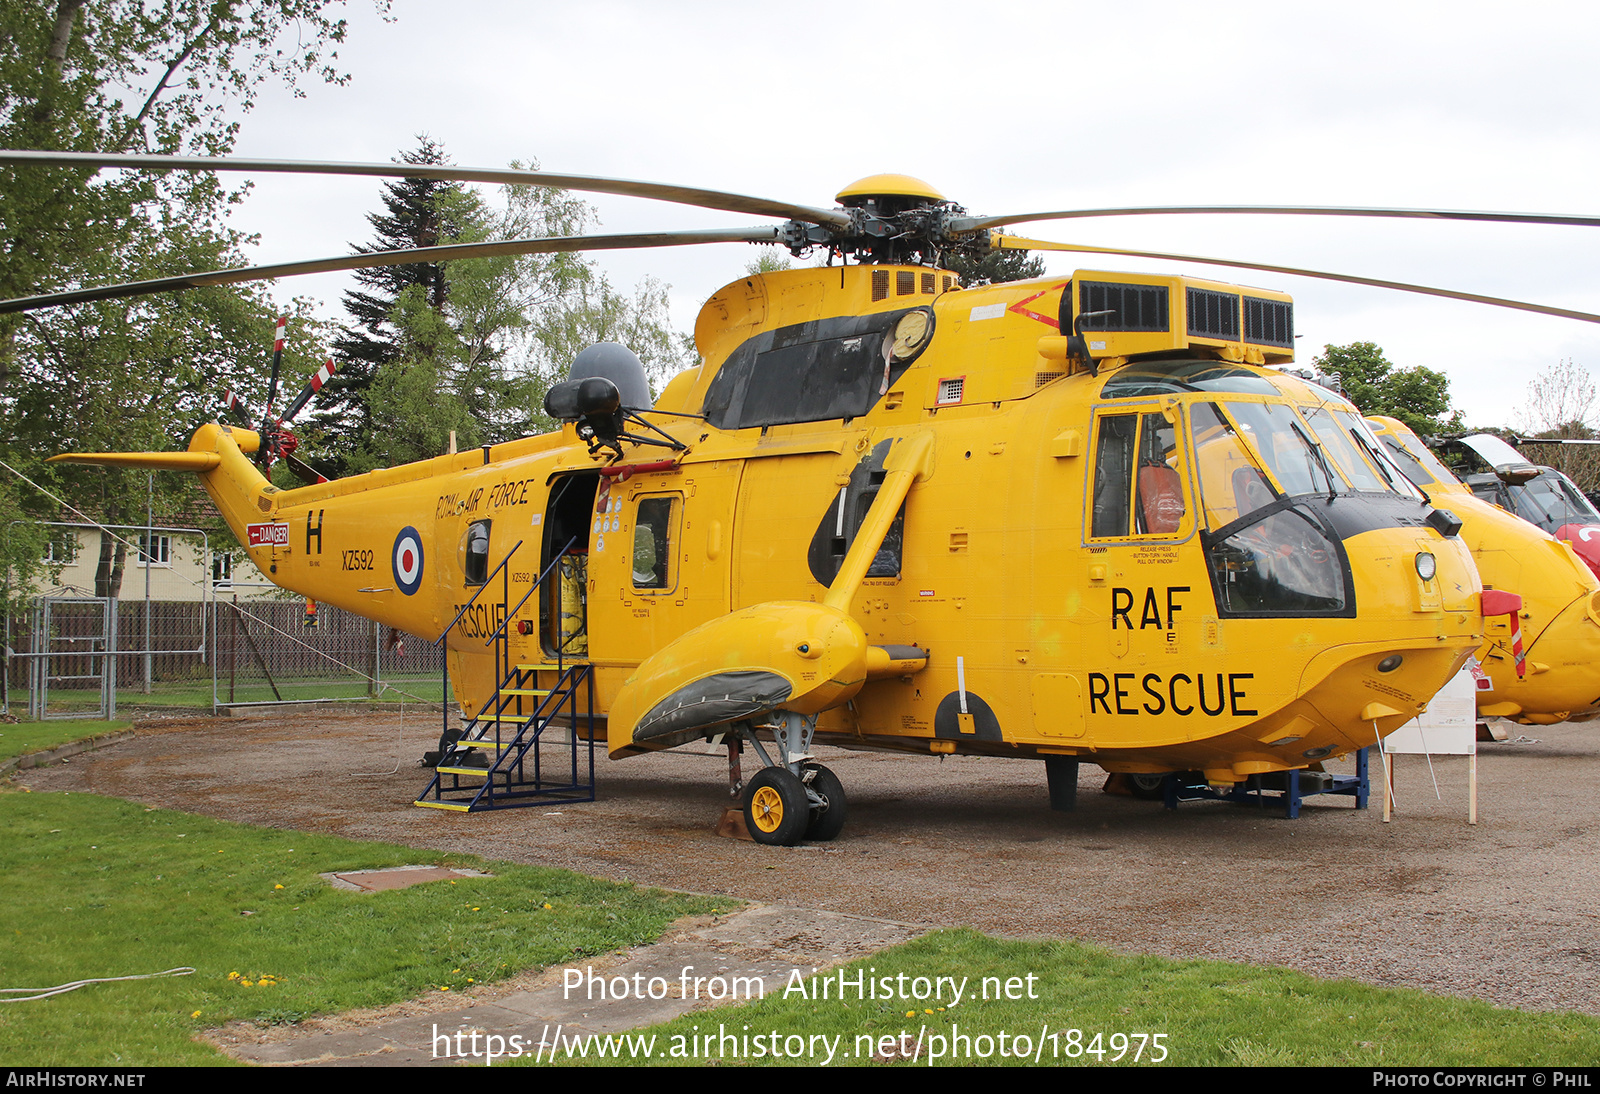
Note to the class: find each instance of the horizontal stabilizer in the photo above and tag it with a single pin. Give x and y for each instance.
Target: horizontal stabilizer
(152, 461)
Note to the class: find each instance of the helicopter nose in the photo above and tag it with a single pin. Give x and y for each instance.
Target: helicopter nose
(1562, 680)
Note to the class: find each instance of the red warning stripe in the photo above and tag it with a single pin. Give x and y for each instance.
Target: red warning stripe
(1047, 320)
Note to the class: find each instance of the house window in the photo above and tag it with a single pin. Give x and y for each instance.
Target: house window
(62, 550)
(155, 550)
(221, 568)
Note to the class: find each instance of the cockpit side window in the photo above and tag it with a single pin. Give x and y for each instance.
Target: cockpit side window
(1138, 477)
(1231, 485)
(1277, 436)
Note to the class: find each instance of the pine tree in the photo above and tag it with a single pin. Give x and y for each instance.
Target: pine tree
(416, 214)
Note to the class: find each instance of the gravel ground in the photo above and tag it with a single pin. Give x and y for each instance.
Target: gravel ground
(1506, 911)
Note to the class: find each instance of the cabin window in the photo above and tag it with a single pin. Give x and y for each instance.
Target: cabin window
(1138, 477)
(1377, 454)
(1277, 436)
(886, 563)
(652, 543)
(475, 566)
(842, 519)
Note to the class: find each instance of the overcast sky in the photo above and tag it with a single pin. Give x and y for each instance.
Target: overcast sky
(1023, 107)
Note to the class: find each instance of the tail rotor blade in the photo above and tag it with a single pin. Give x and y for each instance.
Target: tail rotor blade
(239, 409)
(323, 375)
(278, 330)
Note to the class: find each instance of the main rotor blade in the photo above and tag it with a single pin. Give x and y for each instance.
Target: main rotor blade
(970, 224)
(594, 184)
(1552, 440)
(407, 256)
(1017, 243)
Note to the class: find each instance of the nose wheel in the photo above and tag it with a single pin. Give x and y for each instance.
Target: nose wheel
(790, 798)
(776, 810)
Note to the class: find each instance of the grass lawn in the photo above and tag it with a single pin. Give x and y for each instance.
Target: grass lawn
(98, 887)
(19, 738)
(1090, 1006)
(197, 693)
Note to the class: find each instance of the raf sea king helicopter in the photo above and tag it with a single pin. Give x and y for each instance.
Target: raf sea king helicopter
(1540, 495)
(1078, 519)
(1542, 657)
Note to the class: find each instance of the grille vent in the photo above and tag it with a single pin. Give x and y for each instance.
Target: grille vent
(927, 283)
(1213, 314)
(1042, 378)
(905, 282)
(1269, 322)
(1133, 307)
(950, 390)
(880, 284)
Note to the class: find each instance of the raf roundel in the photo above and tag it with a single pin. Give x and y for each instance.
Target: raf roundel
(407, 560)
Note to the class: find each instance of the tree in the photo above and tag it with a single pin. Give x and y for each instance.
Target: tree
(471, 346)
(770, 260)
(1562, 405)
(416, 215)
(995, 267)
(1419, 397)
(149, 75)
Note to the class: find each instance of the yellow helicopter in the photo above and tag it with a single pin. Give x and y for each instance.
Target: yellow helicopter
(1078, 519)
(1542, 660)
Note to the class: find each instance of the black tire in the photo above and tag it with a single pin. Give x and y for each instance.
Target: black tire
(776, 809)
(1147, 788)
(825, 824)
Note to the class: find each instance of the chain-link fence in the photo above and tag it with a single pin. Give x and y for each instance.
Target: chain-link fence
(270, 651)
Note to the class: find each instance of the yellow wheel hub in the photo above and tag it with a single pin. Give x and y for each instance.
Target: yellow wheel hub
(766, 809)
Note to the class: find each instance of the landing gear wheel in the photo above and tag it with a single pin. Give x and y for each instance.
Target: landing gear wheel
(775, 807)
(1147, 788)
(825, 824)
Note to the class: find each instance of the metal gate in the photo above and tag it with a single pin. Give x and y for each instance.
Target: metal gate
(72, 669)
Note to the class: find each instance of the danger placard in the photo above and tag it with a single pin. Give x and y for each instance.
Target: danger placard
(267, 535)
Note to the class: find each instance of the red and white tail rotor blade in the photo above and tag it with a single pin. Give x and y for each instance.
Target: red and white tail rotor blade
(324, 374)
